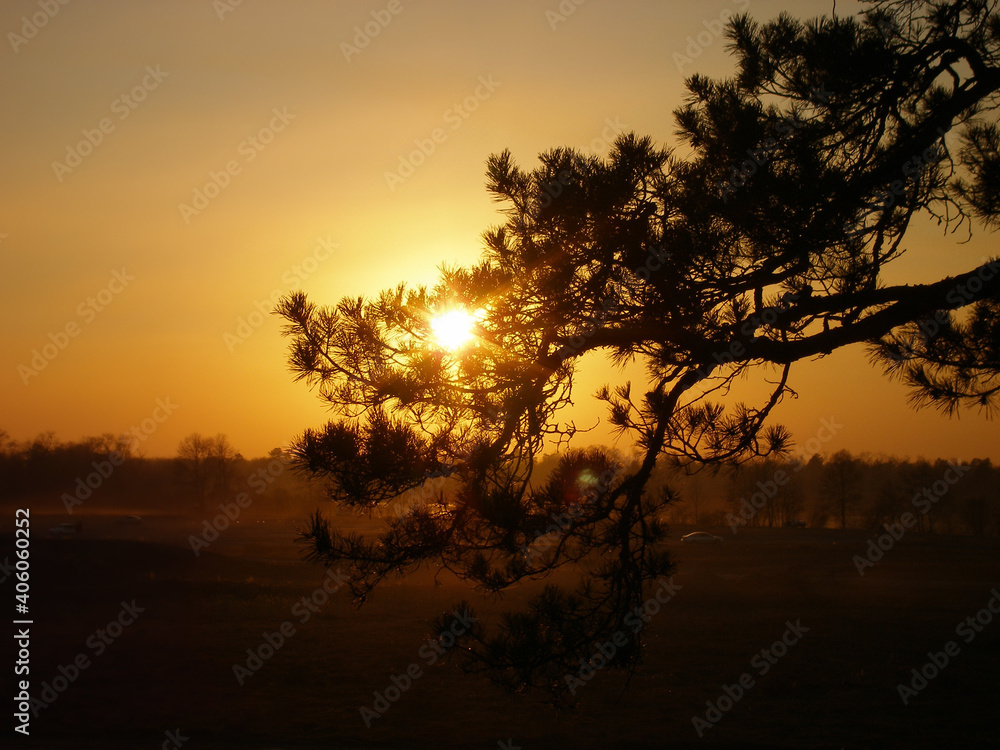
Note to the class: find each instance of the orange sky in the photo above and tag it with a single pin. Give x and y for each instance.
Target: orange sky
(144, 279)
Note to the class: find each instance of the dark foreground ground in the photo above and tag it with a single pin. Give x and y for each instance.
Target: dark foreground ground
(173, 668)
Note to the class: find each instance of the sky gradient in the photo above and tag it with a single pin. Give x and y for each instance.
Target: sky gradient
(171, 168)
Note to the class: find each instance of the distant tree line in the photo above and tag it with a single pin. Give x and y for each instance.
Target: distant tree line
(95, 474)
(841, 491)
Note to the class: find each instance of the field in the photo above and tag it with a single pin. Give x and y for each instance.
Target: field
(857, 638)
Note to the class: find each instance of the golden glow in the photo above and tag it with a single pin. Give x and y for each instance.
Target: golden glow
(343, 170)
(453, 329)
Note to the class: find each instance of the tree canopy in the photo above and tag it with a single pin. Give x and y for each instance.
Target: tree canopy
(760, 239)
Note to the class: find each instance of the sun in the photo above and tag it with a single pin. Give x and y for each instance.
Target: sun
(453, 329)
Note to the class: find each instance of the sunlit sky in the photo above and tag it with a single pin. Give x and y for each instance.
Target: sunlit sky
(145, 280)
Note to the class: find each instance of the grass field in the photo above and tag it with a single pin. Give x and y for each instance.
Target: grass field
(173, 668)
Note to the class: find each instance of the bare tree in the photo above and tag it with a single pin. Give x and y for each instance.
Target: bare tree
(841, 481)
(222, 458)
(194, 454)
